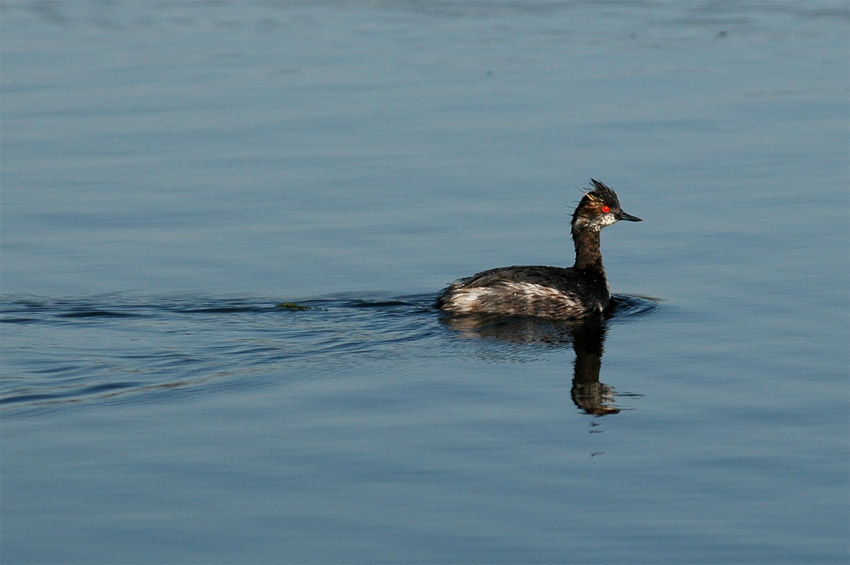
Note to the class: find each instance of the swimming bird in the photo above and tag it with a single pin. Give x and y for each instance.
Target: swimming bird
(550, 292)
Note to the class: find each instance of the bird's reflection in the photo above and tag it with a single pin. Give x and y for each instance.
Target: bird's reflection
(587, 338)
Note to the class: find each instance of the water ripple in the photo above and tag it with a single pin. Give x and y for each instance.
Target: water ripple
(94, 348)
(116, 347)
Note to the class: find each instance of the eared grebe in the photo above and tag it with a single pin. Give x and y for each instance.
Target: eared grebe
(551, 292)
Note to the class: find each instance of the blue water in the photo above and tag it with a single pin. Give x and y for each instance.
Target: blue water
(223, 225)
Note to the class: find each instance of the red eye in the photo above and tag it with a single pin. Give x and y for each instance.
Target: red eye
(606, 209)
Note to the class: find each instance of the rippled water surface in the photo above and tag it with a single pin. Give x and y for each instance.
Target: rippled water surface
(224, 225)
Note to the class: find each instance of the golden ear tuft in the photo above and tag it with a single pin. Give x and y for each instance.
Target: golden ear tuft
(593, 197)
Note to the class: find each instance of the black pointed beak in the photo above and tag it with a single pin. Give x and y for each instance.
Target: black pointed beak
(628, 217)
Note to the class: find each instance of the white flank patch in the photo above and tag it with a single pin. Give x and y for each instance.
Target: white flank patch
(531, 290)
(510, 296)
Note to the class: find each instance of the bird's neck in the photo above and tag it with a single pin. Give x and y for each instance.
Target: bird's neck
(588, 254)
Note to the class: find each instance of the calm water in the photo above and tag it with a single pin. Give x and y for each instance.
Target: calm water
(224, 225)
